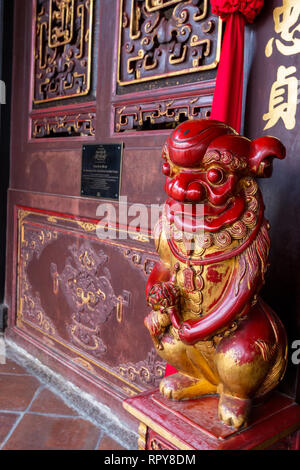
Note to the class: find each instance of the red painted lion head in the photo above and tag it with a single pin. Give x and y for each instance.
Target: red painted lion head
(204, 163)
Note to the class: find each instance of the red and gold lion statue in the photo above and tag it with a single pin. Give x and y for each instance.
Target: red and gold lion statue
(207, 319)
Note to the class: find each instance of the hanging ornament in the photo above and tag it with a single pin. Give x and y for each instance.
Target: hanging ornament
(228, 94)
(249, 8)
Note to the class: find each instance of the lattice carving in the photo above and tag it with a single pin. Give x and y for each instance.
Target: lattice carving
(77, 124)
(162, 38)
(62, 49)
(159, 115)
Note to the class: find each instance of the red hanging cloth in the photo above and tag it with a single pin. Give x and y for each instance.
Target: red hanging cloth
(228, 94)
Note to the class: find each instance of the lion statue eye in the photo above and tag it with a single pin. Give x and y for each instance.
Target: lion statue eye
(215, 175)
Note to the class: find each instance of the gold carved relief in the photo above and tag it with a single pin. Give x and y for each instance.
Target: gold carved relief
(153, 5)
(62, 49)
(63, 15)
(283, 100)
(163, 38)
(91, 297)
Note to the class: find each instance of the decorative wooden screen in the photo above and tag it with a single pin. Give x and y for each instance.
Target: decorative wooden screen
(163, 44)
(166, 38)
(63, 46)
(62, 67)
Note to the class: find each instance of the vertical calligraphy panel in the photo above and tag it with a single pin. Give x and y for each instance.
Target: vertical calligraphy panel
(273, 109)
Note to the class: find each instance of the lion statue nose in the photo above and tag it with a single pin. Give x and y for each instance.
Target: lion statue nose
(196, 192)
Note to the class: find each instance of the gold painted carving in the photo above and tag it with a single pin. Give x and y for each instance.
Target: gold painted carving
(22, 214)
(86, 285)
(157, 444)
(52, 219)
(149, 371)
(134, 21)
(142, 436)
(74, 124)
(120, 309)
(87, 227)
(30, 315)
(62, 49)
(55, 283)
(129, 391)
(164, 38)
(141, 238)
(283, 99)
(62, 34)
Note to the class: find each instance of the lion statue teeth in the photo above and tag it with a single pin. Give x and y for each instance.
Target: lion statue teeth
(207, 319)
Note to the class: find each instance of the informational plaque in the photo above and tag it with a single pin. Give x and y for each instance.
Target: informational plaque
(101, 170)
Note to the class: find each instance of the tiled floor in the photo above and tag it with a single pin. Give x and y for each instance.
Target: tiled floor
(32, 417)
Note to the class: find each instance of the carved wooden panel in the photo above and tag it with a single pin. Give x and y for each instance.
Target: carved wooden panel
(62, 49)
(164, 44)
(67, 124)
(162, 114)
(164, 38)
(71, 297)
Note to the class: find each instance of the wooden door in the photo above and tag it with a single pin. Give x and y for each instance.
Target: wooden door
(95, 72)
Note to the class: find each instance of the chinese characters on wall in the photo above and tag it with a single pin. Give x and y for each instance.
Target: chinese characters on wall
(284, 91)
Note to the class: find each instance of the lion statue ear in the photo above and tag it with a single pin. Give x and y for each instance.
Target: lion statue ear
(262, 153)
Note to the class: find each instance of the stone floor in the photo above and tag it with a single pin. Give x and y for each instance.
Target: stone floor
(34, 417)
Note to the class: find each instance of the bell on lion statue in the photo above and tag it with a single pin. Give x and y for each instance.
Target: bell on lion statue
(207, 319)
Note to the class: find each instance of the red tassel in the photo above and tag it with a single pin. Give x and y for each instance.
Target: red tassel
(249, 8)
